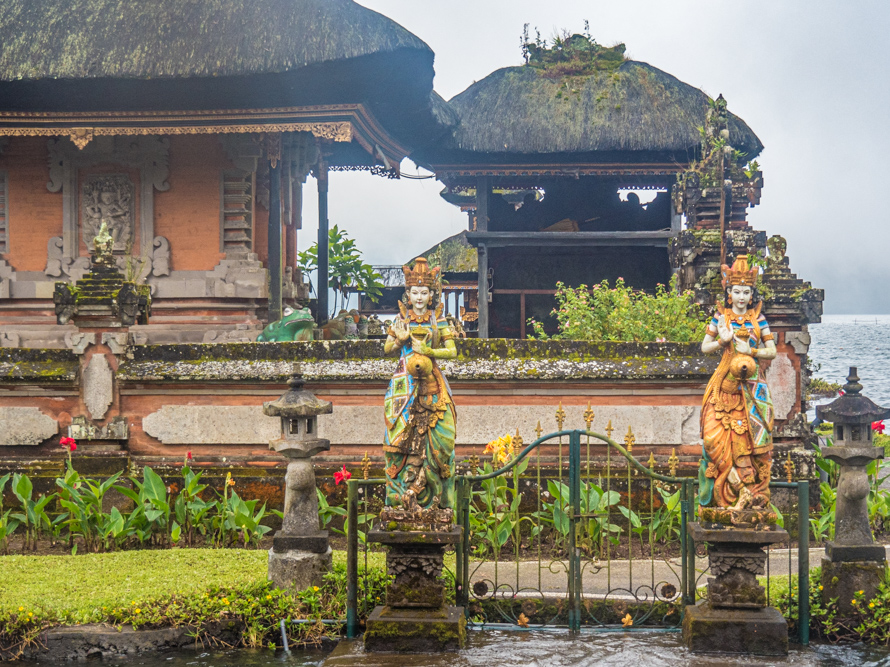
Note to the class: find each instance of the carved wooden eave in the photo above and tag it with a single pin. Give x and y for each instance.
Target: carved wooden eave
(460, 174)
(336, 123)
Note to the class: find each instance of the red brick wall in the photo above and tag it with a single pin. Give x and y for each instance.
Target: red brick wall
(35, 213)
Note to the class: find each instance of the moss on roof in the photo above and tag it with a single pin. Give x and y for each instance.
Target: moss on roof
(632, 107)
(78, 39)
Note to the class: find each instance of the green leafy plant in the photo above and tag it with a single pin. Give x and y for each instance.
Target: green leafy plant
(620, 313)
(150, 518)
(82, 498)
(346, 269)
(33, 516)
(8, 525)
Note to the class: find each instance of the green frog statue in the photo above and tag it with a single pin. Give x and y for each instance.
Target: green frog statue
(419, 412)
(295, 325)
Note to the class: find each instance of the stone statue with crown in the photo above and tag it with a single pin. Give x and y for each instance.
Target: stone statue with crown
(419, 412)
(736, 520)
(417, 524)
(737, 411)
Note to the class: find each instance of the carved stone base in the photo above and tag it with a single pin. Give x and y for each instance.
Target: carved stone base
(747, 518)
(416, 631)
(396, 518)
(751, 631)
(736, 558)
(415, 560)
(298, 570)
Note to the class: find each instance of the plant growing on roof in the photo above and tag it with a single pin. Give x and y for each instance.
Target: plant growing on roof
(568, 54)
(345, 267)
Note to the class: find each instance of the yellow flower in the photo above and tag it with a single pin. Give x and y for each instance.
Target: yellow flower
(268, 597)
(21, 609)
(315, 588)
(860, 592)
(138, 610)
(820, 587)
(852, 601)
(30, 613)
(133, 603)
(225, 600)
(871, 605)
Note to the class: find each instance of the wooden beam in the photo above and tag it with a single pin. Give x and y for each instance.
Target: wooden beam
(657, 239)
(483, 290)
(321, 288)
(483, 195)
(276, 270)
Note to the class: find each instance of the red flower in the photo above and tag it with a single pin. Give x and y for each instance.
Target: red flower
(68, 443)
(878, 427)
(188, 456)
(342, 475)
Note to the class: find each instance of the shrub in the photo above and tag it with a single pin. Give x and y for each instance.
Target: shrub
(621, 313)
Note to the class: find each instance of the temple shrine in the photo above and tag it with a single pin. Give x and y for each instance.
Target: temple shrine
(191, 150)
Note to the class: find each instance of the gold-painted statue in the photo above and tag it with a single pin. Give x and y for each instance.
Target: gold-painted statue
(418, 409)
(737, 411)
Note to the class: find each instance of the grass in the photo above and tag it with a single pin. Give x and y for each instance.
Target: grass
(77, 588)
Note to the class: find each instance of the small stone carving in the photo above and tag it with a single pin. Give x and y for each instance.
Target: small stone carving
(108, 199)
(116, 342)
(57, 264)
(160, 257)
(97, 386)
(82, 429)
(79, 341)
(25, 426)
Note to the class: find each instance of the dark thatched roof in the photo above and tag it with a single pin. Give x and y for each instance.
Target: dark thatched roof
(521, 111)
(83, 39)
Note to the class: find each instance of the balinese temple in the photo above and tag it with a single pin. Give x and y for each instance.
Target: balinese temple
(152, 161)
(570, 144)
(189, 128)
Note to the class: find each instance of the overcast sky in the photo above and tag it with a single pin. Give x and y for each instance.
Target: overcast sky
(811, 78)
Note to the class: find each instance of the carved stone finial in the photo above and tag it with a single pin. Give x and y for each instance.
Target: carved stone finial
(852, 387)
(103, 247)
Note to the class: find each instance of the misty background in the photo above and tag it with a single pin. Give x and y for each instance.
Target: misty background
(810, 78)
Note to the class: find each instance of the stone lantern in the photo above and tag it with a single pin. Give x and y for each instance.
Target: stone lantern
(852, 561)
(300, 553)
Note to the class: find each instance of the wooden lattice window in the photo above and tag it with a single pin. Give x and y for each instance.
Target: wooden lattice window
(236, 212)
(4, 213)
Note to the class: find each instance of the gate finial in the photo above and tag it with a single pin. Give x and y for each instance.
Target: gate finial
(517, 441)
(538, 430)
(630, 440)
(560, 417)
(588, 416)
(673, 462)
(609, 429)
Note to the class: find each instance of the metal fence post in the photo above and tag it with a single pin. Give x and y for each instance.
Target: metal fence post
(574, 557)
(684, 551)
(803, 561)
(352, 558)
(459, 583)
(690, 543)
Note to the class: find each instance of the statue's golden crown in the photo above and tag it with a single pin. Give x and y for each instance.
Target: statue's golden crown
(739, 273)
(422, 275)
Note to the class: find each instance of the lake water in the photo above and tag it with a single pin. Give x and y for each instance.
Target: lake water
(841, 341)
(531, 649)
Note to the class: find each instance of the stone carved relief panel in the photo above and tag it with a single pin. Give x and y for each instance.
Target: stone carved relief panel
(108, 198)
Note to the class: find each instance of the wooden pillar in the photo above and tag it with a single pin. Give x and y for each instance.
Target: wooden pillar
(483, 194)
(321, 288)
(483, 290)
(276, 270)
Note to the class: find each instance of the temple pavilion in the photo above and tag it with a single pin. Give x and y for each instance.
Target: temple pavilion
(189, 129)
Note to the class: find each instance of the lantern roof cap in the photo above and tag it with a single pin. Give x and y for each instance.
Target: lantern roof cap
(852, 407)
(297, 402)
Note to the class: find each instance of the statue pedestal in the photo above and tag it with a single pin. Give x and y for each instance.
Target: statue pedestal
(415, 618)
(735, 618)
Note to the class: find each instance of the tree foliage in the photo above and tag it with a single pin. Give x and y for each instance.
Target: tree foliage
(346, 270)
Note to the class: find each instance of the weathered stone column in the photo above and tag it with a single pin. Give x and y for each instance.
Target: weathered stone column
(852, 561)
(300, 554)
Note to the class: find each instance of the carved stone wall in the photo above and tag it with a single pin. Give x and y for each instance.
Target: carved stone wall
(108, 199)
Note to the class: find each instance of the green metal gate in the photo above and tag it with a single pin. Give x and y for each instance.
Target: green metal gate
(575, 531)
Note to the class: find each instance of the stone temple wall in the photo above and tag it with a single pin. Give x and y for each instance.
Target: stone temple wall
(140, 405)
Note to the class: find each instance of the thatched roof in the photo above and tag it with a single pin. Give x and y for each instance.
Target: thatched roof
(85, 39)
(524, 111)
